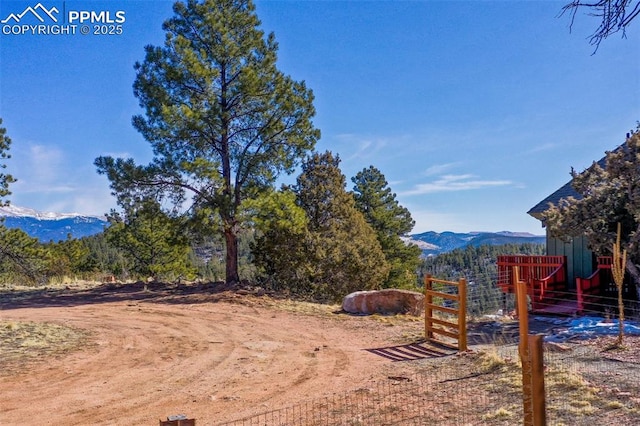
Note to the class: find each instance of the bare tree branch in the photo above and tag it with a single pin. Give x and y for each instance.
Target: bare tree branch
(615, 16)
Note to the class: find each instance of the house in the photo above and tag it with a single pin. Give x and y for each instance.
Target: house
(581, 261)
(570, 274)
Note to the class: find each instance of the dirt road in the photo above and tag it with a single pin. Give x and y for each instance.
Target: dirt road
(213, 356)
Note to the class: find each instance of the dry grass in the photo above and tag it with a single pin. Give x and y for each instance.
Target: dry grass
(571, 398)
(499, 414)
(298, 307)
(490, 361)
(25, 342)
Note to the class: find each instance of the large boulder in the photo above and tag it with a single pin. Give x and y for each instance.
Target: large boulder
(386, 302)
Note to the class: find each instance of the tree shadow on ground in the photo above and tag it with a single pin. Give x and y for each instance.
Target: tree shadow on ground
(170, 293)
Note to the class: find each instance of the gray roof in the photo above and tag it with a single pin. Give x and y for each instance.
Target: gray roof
(563, 192)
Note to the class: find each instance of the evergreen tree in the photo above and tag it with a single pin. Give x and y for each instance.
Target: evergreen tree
(341, 250)
(106, 258)
(5, 179)
(390, 221)
(20, 255)
(278, 249)
(222, 120)
(70, 257)
(154, 242)
(478, 265)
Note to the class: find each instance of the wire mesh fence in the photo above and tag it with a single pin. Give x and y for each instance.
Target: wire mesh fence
(582, 387)
(588, 379)
(421, 399)
(586, 386)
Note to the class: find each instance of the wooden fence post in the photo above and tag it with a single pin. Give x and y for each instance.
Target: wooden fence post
(521, 307)
(537, 380)
(523, 347)
(462, 315)
(428, 311)
(532, 358)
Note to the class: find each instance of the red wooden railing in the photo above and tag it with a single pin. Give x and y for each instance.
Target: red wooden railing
(604, 262)
(546, 276)
(588, 290)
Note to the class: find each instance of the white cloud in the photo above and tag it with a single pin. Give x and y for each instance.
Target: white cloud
(94, 200)
(541, 148)
(39, 168)
(439, 169)
(48, 180)
(451, 183)
(27, 187)
(361, 146)
(358, 147)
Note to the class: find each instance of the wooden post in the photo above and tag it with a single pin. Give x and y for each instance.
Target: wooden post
(178, 422)
(462, 315)
(521, 307)
(523, 347)
(428, 311)
(537, 380)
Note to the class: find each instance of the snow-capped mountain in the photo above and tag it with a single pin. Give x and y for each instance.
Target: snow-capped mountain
(15, 211)
(48, 226)
(434, 243)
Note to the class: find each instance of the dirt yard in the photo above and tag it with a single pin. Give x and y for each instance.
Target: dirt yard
(133, 354)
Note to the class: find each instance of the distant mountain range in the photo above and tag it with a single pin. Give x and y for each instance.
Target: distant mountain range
(434, 243)
(51, 226)
(56, 226)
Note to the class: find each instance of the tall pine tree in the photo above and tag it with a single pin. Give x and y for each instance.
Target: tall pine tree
(342, 250)
(390, 221)
(222, 120)
(330, 251)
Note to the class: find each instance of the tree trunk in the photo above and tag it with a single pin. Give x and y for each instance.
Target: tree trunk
(231, 258)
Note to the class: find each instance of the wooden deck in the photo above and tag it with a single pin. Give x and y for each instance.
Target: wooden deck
(545, 277)
(563, 308)
(546, 283)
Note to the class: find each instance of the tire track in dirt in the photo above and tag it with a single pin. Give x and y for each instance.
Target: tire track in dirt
(211, 361)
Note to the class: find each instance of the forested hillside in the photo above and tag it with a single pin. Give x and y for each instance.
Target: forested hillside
(478, 266)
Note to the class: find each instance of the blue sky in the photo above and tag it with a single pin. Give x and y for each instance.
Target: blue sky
(473, 110)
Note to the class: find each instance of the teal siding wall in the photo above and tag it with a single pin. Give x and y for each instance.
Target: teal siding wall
(580, 260)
